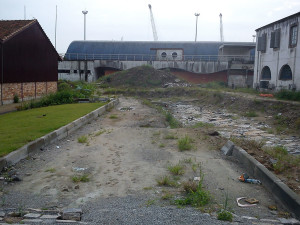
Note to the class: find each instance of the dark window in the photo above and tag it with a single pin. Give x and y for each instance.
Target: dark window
(75, 71)
(174, 55)
(293, 35)
(163, 55)
(82, 71)
(266, 73)
(63, 71)
(275, 39)
(262, 43)
(285, 73)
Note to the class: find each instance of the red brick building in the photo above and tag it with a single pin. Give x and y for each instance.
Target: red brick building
(28, 61)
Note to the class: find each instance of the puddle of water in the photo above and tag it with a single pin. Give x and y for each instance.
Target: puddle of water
(228, 127)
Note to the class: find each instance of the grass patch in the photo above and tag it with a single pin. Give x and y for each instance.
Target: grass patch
(202, 125)
(225, 215)
(197, 198)
(166, 181)
(19, 128)
(176, 169)
(113, 117)
(50, 170)
(185, 143)
(82, 178)
(166, 196)
(171, 136)
(82, 139)
(98, 133)
(288, 95)
(250, 114)
(172, 121)
(162, 145)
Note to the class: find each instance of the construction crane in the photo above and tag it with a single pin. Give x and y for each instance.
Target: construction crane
(221, 28)
(153, 24)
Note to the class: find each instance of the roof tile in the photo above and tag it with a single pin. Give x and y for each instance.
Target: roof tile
(10, 27)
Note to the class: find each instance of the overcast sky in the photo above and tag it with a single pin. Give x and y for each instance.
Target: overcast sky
(129, 20)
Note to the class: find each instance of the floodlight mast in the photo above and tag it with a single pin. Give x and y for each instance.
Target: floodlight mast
(153, 24)
(84, 13)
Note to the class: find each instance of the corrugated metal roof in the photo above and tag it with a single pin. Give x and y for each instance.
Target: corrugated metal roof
(9, 28)
(145, 47)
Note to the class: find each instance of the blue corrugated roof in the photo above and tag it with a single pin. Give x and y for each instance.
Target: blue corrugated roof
(143, 47)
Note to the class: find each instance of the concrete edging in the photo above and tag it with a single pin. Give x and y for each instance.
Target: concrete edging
(272, 183)
(34, 146)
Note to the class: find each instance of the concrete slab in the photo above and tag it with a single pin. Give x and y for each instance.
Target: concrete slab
(228, 148)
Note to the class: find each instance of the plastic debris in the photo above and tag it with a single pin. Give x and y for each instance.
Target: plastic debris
(196, 178)
(79, 169)
(245, 178)
(252, 200)
(57, 146)
(243, 205)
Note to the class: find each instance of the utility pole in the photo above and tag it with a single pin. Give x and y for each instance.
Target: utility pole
(24, 12)
(197, 15)
(85, 61)
(254, 36)
(221, 29)
(55, 25)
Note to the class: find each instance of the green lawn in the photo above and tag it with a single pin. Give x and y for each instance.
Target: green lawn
(19, 128)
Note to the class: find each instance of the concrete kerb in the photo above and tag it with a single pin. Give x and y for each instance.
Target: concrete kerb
(34, 146)
(273, 184)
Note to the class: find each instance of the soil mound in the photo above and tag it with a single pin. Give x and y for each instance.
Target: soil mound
(142, 76)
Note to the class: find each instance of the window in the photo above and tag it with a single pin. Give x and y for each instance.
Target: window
(275, 39)
(262, 43)
(285, 73)
(63, 71)
(266, 73)
(163, 55)
(293, 35)
(174, 55)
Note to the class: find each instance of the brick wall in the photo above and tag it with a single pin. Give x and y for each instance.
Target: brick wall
(26, 91)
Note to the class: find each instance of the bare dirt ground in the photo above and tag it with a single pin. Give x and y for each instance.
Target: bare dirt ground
(126, 153)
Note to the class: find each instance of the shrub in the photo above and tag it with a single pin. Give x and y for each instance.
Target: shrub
(166, 181)
(16, 98)
(172, 121)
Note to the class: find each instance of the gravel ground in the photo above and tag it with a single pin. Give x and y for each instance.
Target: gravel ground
(133, 209)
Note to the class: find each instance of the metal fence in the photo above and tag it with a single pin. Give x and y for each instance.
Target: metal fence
(142, 57)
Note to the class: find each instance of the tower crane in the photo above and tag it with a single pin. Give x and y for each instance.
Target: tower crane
(221, 28)
(153, 24)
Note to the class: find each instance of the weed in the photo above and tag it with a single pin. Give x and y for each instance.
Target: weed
(113, 117)
(167, 196)
(188, 160)
(150, 202)
(82, 139)
(250, 114)
(288, 95)
(170, 136)
(195, 166)
(198, 198)
(297, 123)
(99, 132)
(50, 170)
(225, 215)
(202, 125)
(176, 169)
(172, 121)
(190, 186)
(82, 178)
(148, 188)
(185, 143)
(166, 181)
(162, 145)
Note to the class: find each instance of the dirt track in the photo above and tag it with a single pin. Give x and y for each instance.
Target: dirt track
(124, 156)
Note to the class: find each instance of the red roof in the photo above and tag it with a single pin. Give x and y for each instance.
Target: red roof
(9, 28)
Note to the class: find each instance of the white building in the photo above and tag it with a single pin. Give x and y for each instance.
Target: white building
(277, 56)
